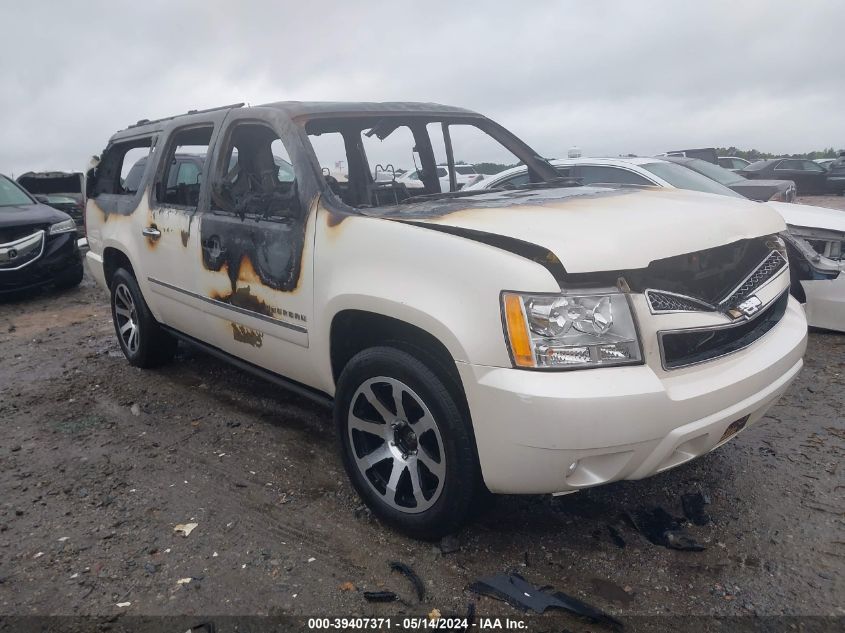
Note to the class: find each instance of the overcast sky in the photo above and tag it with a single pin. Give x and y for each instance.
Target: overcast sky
(608, 77)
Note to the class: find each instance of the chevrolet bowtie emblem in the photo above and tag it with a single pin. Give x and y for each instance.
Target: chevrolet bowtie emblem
(748, 307)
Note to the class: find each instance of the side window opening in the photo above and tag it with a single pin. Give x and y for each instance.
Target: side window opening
(181, 180)
(256, 176)
(470, 146)
(122, 167)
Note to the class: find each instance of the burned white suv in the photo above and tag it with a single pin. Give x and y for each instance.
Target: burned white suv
(541, 339)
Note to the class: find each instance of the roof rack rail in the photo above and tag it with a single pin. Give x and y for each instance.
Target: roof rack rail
(141, 122)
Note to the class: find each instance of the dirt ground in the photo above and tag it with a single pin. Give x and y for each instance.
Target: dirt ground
(832, 202)
(100, 461)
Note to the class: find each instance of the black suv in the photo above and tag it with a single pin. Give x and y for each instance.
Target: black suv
(37, 242)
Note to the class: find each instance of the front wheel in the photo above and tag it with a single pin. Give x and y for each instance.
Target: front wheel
(406, 446)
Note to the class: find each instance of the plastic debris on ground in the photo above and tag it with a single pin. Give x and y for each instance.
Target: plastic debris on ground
(693, 504)
(519, 593)
(185, 529)
(380, 596)
(411, 575)
(661, 528)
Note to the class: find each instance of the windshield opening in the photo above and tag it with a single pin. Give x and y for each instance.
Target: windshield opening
(11, 195)
(684, 178)
(383, 160)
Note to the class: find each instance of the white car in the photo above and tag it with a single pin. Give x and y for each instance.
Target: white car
(464, 175)
(816, 237)
(533, 341)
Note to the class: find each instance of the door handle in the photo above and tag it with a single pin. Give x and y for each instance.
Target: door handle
(151, 232)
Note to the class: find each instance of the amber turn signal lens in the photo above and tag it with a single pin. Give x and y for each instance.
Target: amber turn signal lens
(518, 337)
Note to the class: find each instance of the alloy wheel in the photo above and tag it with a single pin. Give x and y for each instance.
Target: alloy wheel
(126, 316)
(396, 444)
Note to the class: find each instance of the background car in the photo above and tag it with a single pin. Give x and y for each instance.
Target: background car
(61, 190)
(760, 190)
(824, 162)
(732, 163)
(836, 175)
(704, 153)
(37, 242)
(816, 235)
(464, 175)
(809, 177)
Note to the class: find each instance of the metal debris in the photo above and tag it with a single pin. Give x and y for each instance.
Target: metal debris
(412, 576)
(517, 592)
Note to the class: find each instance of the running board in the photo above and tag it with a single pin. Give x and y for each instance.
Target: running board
(289, 385)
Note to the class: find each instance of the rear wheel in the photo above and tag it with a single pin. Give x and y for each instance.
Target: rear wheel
(142, 339)
(405, 444)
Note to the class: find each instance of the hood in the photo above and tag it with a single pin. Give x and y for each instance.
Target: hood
(810, 216)
(52, 182)
(593, 229)
(30, 214)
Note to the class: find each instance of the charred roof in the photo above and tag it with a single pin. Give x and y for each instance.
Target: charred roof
(296, 110)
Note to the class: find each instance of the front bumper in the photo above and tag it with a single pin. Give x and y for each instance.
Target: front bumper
(60, 255)
(542, 432)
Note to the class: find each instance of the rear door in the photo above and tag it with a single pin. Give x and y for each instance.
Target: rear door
(815, 176)
(170, 236)
(807, 175)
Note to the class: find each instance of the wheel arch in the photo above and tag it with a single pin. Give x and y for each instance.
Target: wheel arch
(113, 259)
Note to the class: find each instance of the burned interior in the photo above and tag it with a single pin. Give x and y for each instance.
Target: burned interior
(257, 218)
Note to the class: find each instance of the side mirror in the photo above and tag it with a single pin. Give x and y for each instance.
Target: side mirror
(41, 198)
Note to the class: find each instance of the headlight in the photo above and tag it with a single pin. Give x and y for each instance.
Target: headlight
(65, 226)
(570, 331)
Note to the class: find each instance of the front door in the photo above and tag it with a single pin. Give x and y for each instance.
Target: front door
(255, 274)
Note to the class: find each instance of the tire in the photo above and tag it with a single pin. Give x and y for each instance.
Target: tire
(417, 472)
(69, 279)
(144, 343)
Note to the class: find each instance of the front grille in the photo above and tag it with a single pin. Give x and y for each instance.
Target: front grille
(16, 255)
(688, 347)
(771, 266)
(13, 233)
(668, 302)
(662, 301)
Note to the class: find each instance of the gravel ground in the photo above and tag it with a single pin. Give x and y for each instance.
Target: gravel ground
(100, 461)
